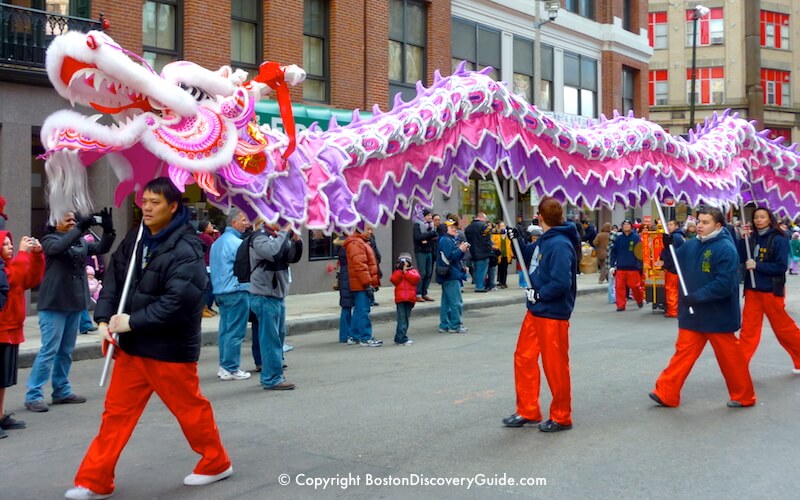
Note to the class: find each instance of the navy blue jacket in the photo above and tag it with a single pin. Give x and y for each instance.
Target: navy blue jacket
(448, 247)
(477, 234)
(771, 263)
(555, 267)
(710, 271)
(666, 255)
(622, 256)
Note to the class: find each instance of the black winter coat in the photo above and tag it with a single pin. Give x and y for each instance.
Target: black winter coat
(480, 241)
(165, 302)
(346, 298)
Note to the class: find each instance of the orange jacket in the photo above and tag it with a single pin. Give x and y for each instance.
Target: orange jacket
(25, 271)
(361, 263)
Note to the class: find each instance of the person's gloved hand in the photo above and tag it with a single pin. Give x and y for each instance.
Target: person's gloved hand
(532, 295)
(84, 222)
(107, 222)
(370, 292)
(667, 239)
(120, 323)
(512, 233)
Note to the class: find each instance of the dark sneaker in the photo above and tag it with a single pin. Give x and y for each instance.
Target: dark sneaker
(283, 386)
(516, 420)
(640, 304)
(8, 423)
(72, 399)
(37, 406)
(3, 434)
(553, 426)
(427, 298)
(736, 404)
(371, 343)
(657, 399)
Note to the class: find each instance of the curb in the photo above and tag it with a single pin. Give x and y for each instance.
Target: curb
(301, 326)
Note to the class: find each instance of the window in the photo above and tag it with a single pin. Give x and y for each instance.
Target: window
(321, 247)
(627, 15)
(316, 55)
(408, 32)
(711, 26)
(583, 8)
(580, 85)
(710, 85)
(523, 69)
(161, 27)
(774, 30)
(546, 84)
(659, 87)
(776, 85)
(657, 29)
(476, 44)
(775, 132)
(245, 33)
(628, 80)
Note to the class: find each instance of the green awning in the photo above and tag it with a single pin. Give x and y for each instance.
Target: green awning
(304, 115)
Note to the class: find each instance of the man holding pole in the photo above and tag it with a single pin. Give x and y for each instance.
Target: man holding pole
(159, 343)
(709, 312)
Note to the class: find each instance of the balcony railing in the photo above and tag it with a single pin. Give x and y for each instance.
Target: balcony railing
(26, 33)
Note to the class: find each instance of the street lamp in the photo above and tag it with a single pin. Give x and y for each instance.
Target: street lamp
(699, 12)
(551, 6)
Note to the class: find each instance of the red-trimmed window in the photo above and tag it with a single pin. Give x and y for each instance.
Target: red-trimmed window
(657, 29)
(659, 87)
(709, 85)
(776, 85)
(786, 133)
(711, 28)
(774, 30)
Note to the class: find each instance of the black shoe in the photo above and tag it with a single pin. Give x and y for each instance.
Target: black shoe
(736, 404)
(620, 309)
(8, 423)
(516, 420)
(553, 426)
(655, 398)
(72, 399)
(640, 304)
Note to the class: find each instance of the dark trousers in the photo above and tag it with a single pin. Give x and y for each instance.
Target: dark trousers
(502, 271)
(403, 315)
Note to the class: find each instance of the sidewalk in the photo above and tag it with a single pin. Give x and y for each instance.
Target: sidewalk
(316, 311)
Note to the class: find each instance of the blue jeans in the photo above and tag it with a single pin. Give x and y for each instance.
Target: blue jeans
(345, 324)
(361, 326)
(271, 314)
(481, 267)
(425, 266)
(86, 322)
(234, 309)
(450, 308)
(208, 295)
(59, 331)
(492, 277)
(403, 315)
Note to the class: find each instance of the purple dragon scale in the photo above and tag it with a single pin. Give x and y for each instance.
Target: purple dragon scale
(198, 125)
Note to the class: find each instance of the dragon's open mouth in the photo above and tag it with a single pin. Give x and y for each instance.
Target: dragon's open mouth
(108, 95)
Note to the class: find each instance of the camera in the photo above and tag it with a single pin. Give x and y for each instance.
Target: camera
(98, 219)
(401, 264)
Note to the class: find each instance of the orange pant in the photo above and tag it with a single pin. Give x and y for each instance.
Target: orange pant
(688, 348)
(628, 279)
(756, 305)
(671, 288)
(550, 338)
(133, 381)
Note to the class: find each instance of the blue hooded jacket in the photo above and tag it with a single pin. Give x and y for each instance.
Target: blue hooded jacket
(771, 263)
(622, 256)
(710, 272)
(554, 267)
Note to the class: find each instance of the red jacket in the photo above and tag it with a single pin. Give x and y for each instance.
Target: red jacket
(25, 271)
(405, 285)
(361, 263)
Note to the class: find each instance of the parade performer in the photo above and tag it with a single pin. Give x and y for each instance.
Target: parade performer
(625, 267)
(545, 330)
(709, 264)
(673, 236)
(159, 343)
(767, 295)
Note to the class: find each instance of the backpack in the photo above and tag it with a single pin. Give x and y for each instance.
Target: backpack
(241, 265)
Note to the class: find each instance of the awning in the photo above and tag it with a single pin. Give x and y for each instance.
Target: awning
(304, 115)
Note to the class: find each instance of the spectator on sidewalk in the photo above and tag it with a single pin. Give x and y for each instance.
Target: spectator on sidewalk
(25, 271)
(405, 280)
(502, 243)
(425, 237)
(233, 298)
(600, 243)
(95, 263)
(159, 343)
(365, 280)
(272, 251)
(63, 294)
(346, 301)
(480, 249)
(450, 275)
(208, 235)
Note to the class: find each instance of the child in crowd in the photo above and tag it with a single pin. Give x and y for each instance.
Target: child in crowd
(405, 279)
(95, 285)
(794, 252)
(25, 271)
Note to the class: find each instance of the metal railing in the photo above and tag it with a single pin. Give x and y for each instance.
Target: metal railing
(26, 33)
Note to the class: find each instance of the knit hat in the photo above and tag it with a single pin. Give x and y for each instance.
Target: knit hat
(535, 230)
(426, 211)
(404, 256)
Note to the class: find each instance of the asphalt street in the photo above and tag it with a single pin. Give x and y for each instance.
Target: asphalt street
(417, 419)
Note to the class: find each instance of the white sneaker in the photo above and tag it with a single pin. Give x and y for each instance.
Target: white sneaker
(796, 371)
(222, 371)
(81, 493)
(239, 374)
(202, 479)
